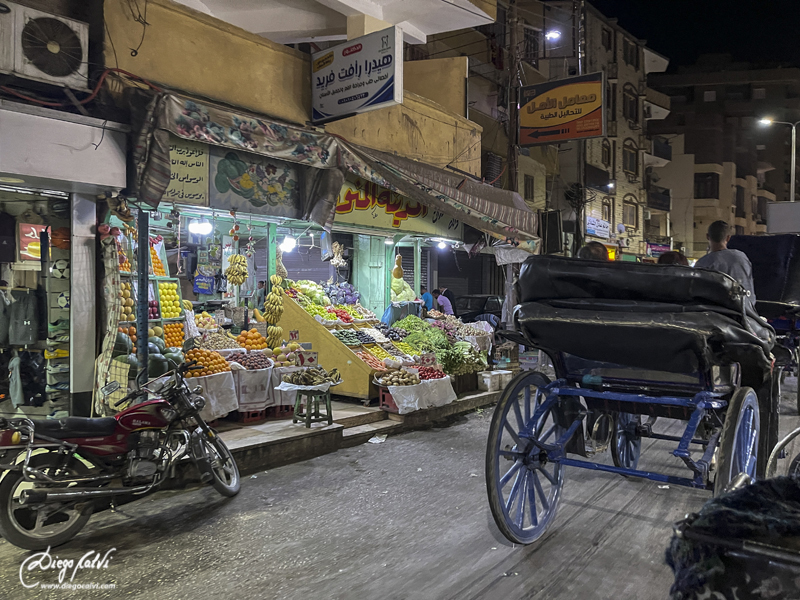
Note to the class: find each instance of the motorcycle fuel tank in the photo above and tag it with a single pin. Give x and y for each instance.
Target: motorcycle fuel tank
(147, 415)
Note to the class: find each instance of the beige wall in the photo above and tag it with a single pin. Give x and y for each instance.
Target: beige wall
(443, 80)
(419, 129)
(201, 55)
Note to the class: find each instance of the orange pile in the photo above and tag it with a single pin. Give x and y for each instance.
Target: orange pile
(212, 362)
(130, 331)
(173, 334)
(125, 267)
(252, 340)
(158, 266)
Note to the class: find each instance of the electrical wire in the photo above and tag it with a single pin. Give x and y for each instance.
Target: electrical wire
(86, 100)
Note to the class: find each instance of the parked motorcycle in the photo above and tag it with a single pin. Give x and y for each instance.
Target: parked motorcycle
(54, 470)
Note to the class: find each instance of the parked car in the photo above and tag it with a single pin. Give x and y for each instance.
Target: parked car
(469, 307)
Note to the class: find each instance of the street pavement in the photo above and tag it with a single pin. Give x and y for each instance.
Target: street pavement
(405, 519)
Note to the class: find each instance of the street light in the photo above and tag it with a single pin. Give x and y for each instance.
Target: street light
(552, 35)
(768, 122)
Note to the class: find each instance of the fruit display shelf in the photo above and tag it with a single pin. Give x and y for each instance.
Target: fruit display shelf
(356, 374)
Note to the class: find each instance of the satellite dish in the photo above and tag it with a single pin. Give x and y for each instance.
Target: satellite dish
(620, 228)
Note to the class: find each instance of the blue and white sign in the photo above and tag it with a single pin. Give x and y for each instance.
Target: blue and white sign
(363, 74)
(597, 227)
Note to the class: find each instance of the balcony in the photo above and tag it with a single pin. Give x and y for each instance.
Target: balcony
(660, 153)
(656, 105)
(659, 198)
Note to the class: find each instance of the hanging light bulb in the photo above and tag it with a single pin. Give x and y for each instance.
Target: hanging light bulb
(288, 244)
(441, 245)
(200, 227)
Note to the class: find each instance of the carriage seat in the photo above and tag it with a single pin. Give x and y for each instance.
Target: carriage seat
(662, 317)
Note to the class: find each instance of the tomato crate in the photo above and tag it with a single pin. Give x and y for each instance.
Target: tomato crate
(386, 402)
(278, 413)
(252, 416)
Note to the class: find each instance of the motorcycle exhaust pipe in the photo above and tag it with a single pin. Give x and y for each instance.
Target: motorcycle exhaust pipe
(71, 494)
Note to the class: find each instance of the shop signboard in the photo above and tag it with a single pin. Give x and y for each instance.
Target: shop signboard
(306, 358)
(598, 227)
(562, 110)
(29, 244)
(360, 75)
(188, 172)
(657, 250)
(364, 203)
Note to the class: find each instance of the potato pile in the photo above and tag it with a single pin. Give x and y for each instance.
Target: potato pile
(399, 378)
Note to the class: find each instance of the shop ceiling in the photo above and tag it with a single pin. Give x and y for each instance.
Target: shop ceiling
(326, 20)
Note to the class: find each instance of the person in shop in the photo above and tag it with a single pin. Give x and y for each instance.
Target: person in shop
(426, 297)
(444, 302)
(732, 262)
(261, 294)
(449, 295)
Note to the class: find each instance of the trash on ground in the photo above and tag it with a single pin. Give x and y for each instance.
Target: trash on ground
(663, 487)
(377, 439)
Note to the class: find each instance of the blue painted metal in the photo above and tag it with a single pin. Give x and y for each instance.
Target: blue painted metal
(673, 438)
(709, 399)
(585, 464)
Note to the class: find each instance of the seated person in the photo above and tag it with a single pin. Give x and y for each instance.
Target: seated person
(593, 251)
(673, 257)
(732, 262)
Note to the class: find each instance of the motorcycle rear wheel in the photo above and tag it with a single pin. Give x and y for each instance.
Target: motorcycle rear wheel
(223, 469)
(38, 526)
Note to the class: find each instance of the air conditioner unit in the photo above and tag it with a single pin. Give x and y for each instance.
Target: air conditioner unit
(44, 47)
(646, 214)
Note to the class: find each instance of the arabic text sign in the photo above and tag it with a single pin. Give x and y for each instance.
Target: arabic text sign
(597, 227)
(366, 203)
(363, 74)
(29, 244)
(189, 172)
(567, 109)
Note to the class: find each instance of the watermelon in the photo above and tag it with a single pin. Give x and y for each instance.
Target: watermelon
(153, 349)
(157, 365)
(123, 344)
(162, 345)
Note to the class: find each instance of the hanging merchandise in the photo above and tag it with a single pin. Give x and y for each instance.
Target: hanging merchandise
(204, 284)
(236, 273)
(280, 270)
(273, 311)
(401, 291)
(24, 321)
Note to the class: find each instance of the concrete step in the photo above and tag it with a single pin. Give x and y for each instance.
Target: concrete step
(354, 436)
(357, 419)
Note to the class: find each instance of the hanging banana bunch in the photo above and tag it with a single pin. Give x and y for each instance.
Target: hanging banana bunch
(236, 273)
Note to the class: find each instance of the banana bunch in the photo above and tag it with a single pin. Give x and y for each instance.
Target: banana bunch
(273, 306)
(187, 304)
(274, 335)
(236, 273)
(276, 280)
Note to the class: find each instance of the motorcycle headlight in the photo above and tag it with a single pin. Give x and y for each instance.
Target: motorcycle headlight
(198, 390)
(199, 402)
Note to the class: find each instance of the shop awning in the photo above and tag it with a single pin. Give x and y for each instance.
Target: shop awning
(321, 160)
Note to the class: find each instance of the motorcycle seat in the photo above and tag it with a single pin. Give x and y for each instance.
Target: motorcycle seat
(75, 427)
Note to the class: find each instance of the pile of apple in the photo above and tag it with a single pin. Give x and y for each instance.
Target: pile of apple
(205, 321)
(284, 356)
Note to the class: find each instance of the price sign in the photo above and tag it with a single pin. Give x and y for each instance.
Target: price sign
(428, 359)
(307, 359)
(294, 335)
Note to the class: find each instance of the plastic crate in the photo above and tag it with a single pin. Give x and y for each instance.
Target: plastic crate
(386, 402)
(253, 416)
(277, 413)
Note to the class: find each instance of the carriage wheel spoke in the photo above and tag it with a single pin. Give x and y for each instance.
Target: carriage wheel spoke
(520, 518)
(514, 490)
(512, 433)
(532, 498)
(547, 434)
(517, 413)
(551, 478)
(528, 404)
(540, 491)
(510, 473)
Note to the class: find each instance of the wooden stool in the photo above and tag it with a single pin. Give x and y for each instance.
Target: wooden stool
(312, 414)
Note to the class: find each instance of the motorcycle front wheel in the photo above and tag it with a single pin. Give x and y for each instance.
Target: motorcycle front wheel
(39, 526)
(221, 465)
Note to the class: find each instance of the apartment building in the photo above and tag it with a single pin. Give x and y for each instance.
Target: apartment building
(624, 208)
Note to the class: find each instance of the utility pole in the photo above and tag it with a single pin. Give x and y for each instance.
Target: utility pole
(513, 96)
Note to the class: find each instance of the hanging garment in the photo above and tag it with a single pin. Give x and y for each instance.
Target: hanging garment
(5, 314)
(8, 238)
(17, 397)
(24, 321)
(34, 378)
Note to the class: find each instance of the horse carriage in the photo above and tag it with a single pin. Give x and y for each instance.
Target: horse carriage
(630, 343)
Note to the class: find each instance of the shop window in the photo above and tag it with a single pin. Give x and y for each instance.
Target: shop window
(709, 96)
(759, 93)
(611, 93)
(37, 320)
(630, 103)
(530, 190)
(630, 213)
(530, 46)
(706, 185)
(606, 214)
(606, 153)
(606, 39)
(630, 158)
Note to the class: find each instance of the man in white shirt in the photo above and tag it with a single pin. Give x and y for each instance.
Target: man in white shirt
(733, 262)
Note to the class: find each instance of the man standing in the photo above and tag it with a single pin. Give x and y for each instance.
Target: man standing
(261, 294)
(449, 295)
(733, 262)
(426, 298)
(444, 303)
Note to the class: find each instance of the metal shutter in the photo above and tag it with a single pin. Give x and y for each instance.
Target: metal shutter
(492, 168)
(408, 266)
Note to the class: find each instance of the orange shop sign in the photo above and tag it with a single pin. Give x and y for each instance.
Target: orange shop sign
(566, 109)
(365, 203)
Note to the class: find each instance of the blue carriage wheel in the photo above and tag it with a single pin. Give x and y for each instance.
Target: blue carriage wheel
(627, 443)
(523, 486)
(738, 443)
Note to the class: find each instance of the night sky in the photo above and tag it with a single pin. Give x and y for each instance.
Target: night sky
(751, 30)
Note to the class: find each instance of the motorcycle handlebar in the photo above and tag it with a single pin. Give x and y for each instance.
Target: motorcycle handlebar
(130, 396)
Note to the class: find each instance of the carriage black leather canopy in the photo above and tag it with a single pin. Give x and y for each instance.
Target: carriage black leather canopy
(662, 317)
